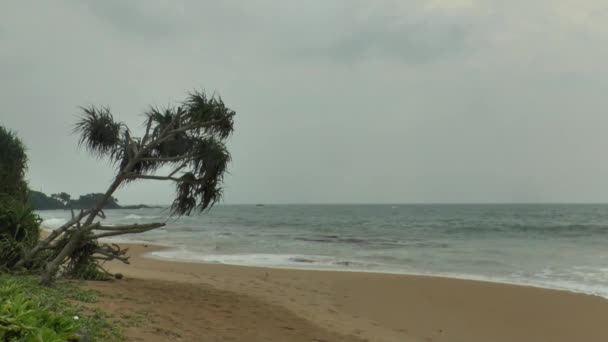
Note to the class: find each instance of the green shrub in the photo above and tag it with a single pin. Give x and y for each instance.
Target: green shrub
(24, 319)
(54, 309)
(13, 162)
(19, 230)
(83, 265)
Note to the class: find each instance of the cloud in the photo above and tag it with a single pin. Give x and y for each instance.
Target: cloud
(344, 31)
(411, 39)
(348, 100)
(153, 19)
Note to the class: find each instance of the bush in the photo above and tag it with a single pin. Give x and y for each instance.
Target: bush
(40, 201)
(19, 230)
(83, 265)
(23, 319)
(13, 163)
(52, 313)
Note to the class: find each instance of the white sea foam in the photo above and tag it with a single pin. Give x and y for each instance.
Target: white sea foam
(54, 222)
(125, 240)
(553, 284)
(321, 263)
(139, 217)
(261, 260)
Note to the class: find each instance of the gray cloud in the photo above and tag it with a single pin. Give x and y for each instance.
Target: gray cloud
(352, 101)
(150, 19)
(344, 31)
(411, 43)
(420, 37)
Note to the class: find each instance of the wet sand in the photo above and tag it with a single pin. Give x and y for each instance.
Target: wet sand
(206, 302)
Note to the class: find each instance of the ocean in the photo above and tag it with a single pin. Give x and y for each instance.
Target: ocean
(552, 246)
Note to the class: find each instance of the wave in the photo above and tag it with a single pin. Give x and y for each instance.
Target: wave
(326, 263)
(565, 229)
(384, 243)
(264, 260)
(139, 217)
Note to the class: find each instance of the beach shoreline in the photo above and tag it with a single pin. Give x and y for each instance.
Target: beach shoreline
(158, 247)
(557, 247)
(226, 302)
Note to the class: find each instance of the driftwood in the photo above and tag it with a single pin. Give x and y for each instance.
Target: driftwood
(108, 252)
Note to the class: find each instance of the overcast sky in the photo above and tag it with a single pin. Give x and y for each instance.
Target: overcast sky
(336, 100)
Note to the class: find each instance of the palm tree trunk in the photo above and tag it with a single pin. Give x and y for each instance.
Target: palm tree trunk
(50, 270)
(44, 243)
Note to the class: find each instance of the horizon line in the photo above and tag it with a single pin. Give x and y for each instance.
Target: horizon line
(392, 203)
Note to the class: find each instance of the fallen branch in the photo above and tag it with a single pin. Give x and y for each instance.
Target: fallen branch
(130, 226)
(131, 229)
(135, 175)
(111, 252)
(54, 234)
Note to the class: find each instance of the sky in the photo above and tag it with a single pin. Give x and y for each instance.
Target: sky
(337, 101)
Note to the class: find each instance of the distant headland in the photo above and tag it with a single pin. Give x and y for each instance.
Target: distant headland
(40, 201)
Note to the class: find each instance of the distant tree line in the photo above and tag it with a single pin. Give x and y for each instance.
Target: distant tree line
(40, 201)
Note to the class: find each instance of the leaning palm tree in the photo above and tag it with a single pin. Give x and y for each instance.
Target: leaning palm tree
(186, 141)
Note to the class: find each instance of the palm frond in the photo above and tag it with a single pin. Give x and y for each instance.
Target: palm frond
(98, 131)
(202, 109)
(211, 159)
(195, 193)
(188, 138)
(160, 118)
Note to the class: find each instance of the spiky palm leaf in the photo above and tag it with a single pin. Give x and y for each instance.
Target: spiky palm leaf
(204, 109)
(126, 152)
(187, 138)
(201, 187)
(98, 131)
(211, 159)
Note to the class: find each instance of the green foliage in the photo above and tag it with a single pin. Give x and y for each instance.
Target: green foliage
(19, 230)
(30, 312)
(40, 201)
(90, 200)
(188, 138)
(13, 163)
(99, 133)
(62, 197)
(24, 319)
(82, 264)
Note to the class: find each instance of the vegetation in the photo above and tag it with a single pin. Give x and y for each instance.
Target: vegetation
(29, 312)
(19, 231)
(19, 226)
(13, 164)
(186, 141)
(87, 201)
(40, 201)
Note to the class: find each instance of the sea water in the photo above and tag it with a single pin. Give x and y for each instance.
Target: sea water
(553, 246)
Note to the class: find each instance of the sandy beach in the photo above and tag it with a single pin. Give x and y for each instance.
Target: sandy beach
(208, 302)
